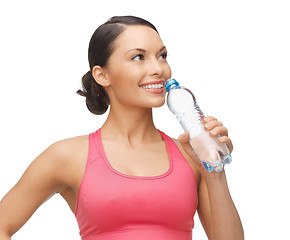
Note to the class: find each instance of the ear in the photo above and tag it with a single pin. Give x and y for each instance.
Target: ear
(100, 76)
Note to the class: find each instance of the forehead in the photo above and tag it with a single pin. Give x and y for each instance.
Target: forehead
(138, 37)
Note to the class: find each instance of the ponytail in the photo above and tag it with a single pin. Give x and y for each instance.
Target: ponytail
(97, 99)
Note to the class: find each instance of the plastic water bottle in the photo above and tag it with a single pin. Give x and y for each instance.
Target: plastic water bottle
(183, 105)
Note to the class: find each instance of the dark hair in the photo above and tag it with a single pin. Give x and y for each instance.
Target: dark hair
(100, 49)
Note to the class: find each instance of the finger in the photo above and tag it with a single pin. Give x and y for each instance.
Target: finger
(184, 137)
(212, 124)
(184, 140)
(219, 130)
(209, 118)
(226, 140)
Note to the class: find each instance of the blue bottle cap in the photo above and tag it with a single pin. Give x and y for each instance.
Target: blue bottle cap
(170, 83)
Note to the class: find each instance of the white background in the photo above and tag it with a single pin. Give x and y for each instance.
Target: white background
(233, 55)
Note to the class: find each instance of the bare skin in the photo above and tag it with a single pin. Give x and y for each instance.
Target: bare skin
(128, 131)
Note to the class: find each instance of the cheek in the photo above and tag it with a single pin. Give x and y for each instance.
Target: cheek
(124, 83)
(124, 75)
(167, 72)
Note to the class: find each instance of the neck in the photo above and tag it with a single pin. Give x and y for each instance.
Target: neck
(130, 125)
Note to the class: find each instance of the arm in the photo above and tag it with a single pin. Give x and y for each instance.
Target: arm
(41, 180)
(216, 208)
(217, 211)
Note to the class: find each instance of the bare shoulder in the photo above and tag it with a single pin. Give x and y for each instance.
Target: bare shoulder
(68, 157)
(190, 161)
(70, 148)
(58, 169)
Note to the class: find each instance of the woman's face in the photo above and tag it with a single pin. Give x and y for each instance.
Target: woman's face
(137, 68)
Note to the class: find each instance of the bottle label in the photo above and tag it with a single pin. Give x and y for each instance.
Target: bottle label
(197, 108)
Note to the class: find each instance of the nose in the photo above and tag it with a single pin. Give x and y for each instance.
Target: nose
(156, 68)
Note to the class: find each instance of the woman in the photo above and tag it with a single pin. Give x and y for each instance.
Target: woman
(127, 180)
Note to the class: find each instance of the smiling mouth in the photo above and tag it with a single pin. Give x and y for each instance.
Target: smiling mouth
(156, 88)
(153, 86)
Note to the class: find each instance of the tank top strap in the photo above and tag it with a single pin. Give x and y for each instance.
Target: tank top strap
(96, 149)
(94, 146)
(175, 151)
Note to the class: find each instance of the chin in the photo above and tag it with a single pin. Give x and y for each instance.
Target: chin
(157, 104)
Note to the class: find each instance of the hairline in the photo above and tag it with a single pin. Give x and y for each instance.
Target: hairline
(125, 26)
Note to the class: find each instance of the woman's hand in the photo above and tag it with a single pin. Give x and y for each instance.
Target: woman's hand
(216, 208)
(215, 129)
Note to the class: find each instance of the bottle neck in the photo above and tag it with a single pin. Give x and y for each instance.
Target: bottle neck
(171, 84)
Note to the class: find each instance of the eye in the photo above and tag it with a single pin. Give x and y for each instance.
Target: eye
(163, 56)
(138, 57)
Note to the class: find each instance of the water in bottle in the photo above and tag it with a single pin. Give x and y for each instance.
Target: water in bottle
(183, 105)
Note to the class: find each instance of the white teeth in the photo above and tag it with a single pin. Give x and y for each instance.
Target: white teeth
(153, 86)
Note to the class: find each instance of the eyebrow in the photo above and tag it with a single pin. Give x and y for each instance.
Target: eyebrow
(143, 50)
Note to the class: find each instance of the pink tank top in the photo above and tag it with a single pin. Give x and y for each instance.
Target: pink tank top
(115, 206)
